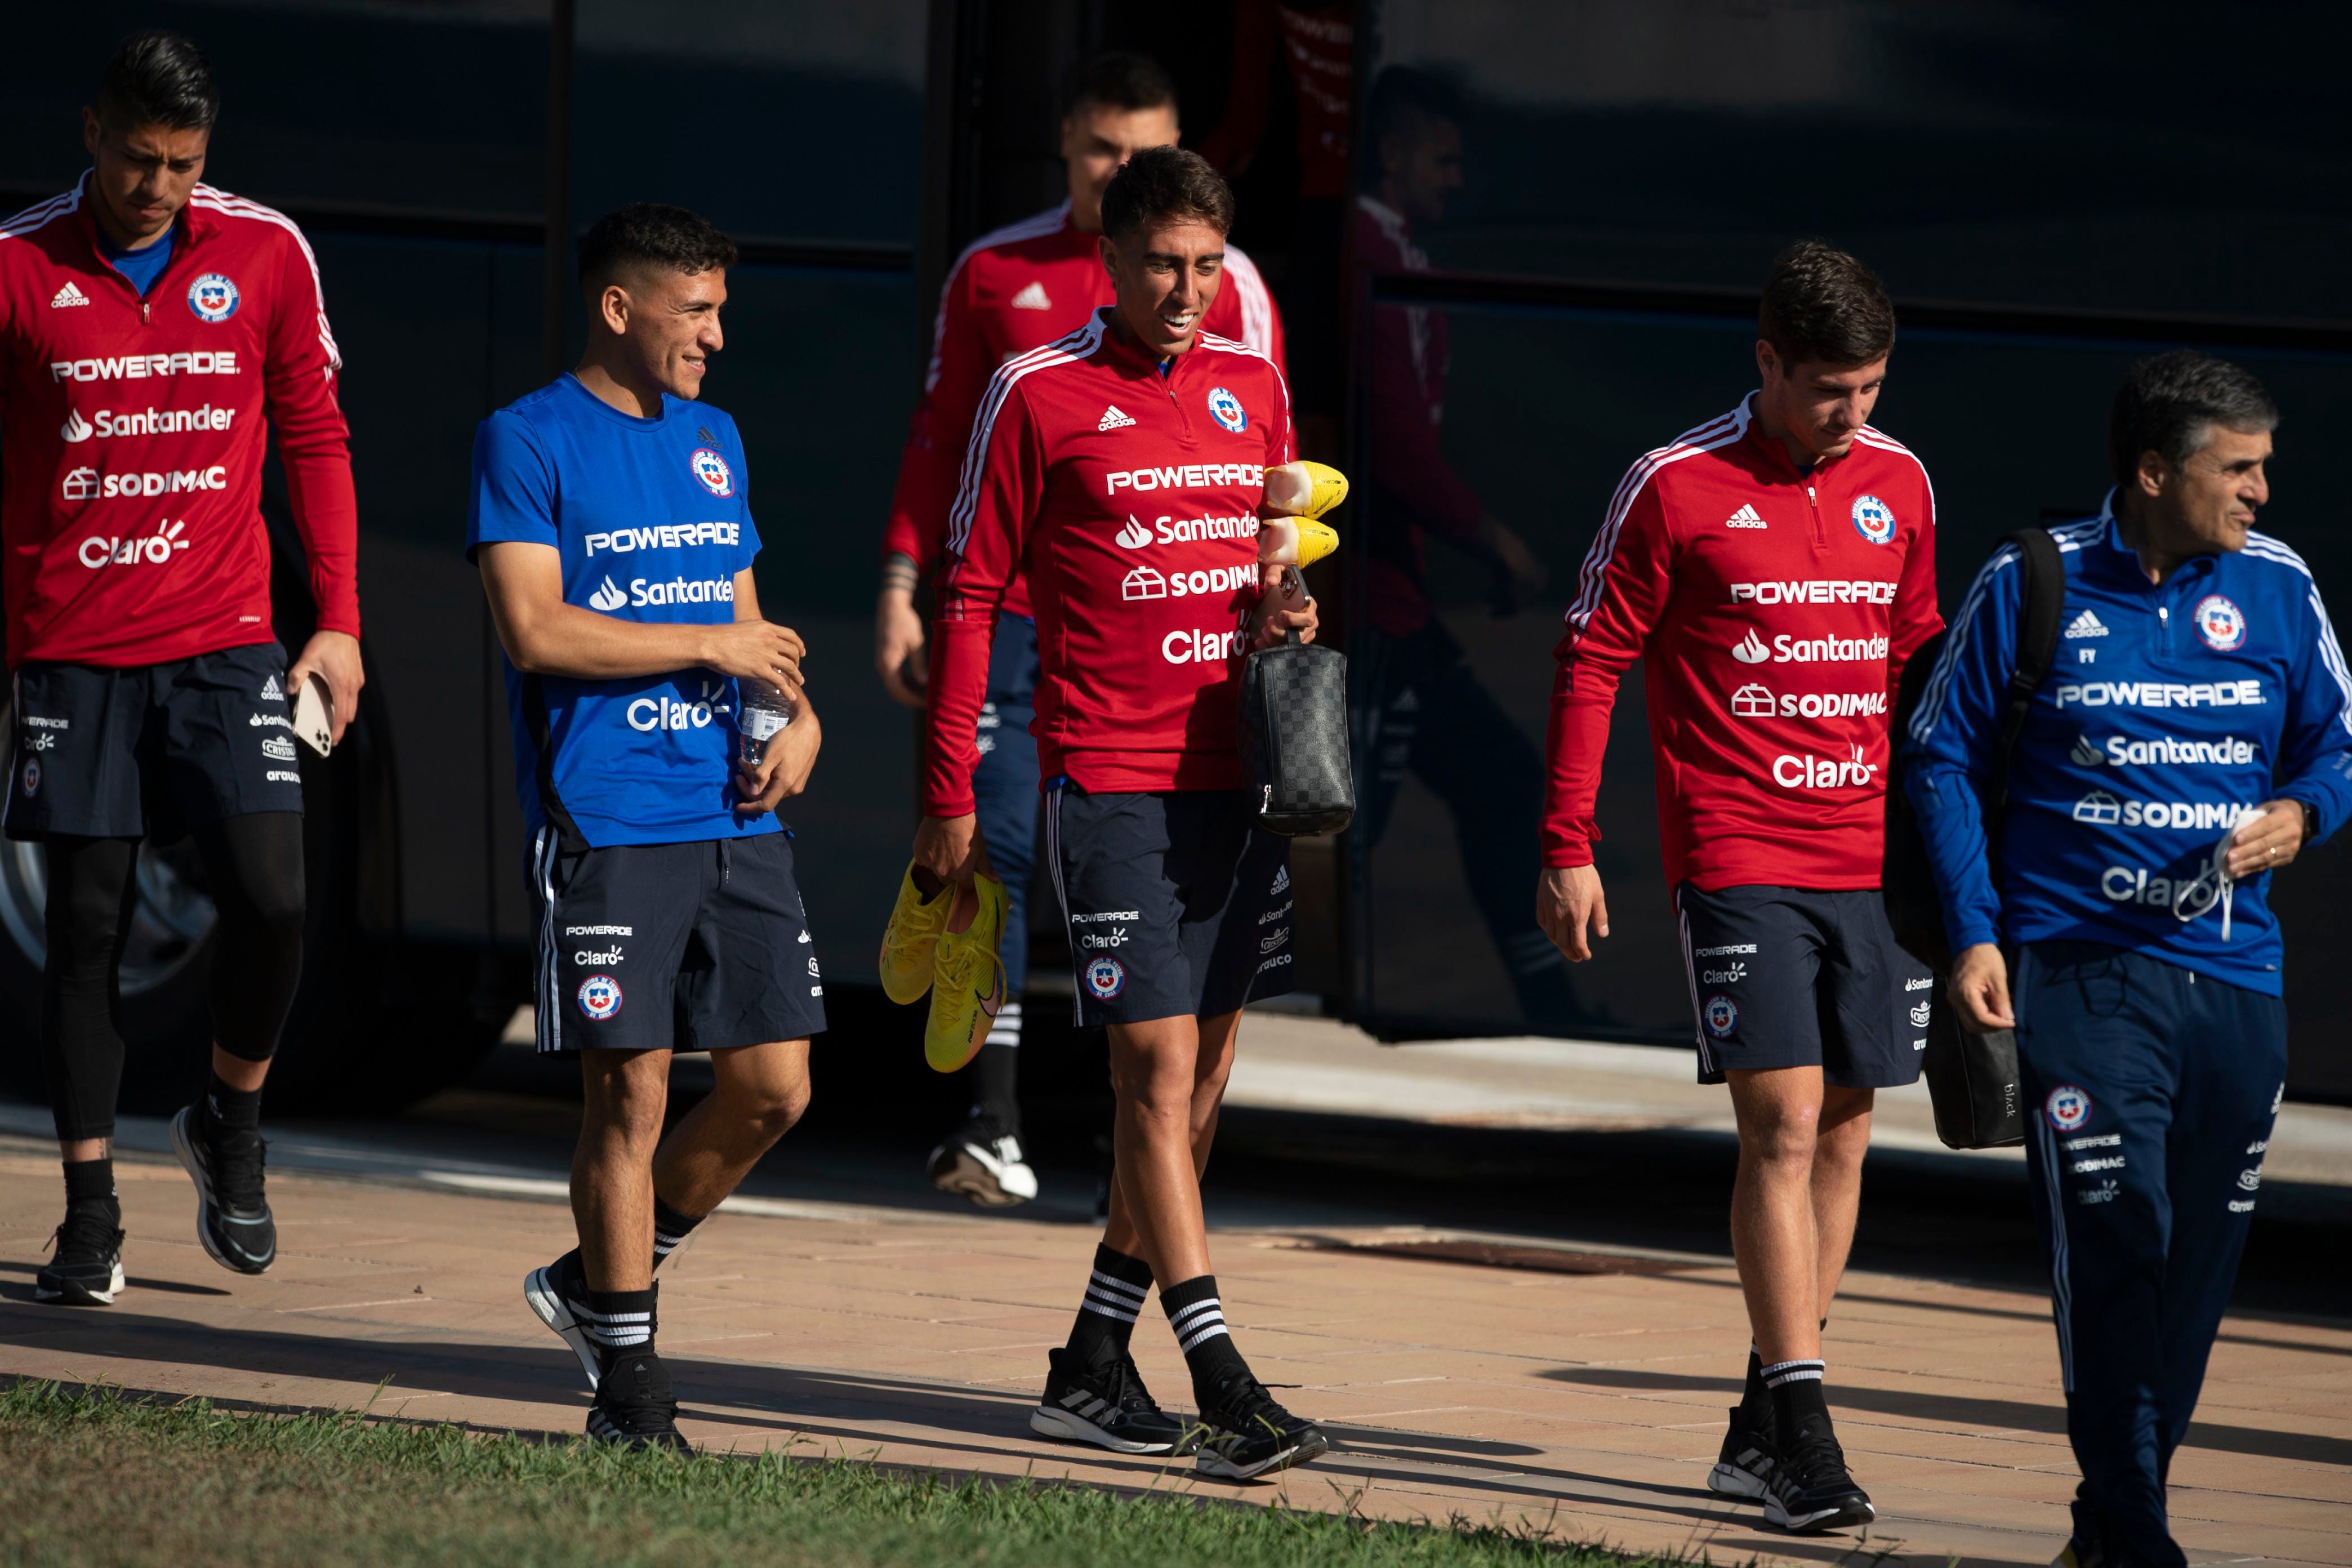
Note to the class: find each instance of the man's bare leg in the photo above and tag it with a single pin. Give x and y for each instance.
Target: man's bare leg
(1840, 1141)
(1774, 1237)
(1157, 1067)
(627, 1095)
(760, 1093)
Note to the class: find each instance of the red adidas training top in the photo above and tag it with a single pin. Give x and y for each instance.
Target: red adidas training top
(1027, 285)
(136, 427)
(1773, 610)
(1131, 500)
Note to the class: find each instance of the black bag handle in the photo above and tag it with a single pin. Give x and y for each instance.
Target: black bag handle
(2041, 607)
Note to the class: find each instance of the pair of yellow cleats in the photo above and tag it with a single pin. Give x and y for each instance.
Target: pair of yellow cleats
(961, 969)
(1297, 496)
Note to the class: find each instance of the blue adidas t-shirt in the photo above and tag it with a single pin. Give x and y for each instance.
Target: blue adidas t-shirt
(653, 523)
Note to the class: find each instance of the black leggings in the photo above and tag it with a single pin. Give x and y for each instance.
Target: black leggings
(254, 864)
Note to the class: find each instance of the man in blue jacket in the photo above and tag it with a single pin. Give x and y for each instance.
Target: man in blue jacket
(2193, 735)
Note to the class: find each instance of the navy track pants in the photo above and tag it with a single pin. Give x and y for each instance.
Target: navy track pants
(2152, 1091)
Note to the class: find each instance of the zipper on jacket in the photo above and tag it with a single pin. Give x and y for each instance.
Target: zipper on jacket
(1820, 540)
(144, 319)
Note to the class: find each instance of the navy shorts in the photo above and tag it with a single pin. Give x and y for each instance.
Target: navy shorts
(1787, 977)
(151, 750)
(1175, 903)
(694, 947)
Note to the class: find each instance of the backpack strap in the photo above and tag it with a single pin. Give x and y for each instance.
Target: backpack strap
(2042, 606)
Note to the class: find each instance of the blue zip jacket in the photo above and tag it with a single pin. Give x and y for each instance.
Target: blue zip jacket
(2171, 711)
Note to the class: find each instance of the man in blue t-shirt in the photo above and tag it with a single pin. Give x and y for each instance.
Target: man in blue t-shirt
(611, 524)
(2113, 907)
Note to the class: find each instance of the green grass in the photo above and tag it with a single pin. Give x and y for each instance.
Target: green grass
(89, 1475)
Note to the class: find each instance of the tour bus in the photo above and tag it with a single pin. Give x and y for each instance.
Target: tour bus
(1566, 267)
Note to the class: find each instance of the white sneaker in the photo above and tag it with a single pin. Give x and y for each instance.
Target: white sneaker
(989, 1169)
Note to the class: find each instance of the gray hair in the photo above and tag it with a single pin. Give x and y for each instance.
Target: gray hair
(2170, 404)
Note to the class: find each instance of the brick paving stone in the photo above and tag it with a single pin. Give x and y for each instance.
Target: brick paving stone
(1588, 1404)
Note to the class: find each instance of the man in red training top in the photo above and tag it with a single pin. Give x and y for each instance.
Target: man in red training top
(1774, 568)
(1123, 467)
(1019, 289)
(147, 321)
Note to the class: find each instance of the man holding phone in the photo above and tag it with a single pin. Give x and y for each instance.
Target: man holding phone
(146, 321)
(612, 523)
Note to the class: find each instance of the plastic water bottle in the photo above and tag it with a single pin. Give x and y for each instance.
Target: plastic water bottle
(764, 710)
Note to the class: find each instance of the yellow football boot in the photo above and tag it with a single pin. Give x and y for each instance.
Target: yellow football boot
(968, 982)
(911, 939)
(1303, 490)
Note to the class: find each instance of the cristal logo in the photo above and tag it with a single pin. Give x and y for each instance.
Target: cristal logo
(1810, 772)
(608, 596)
(1921, 1014)
(76, 430)
(1134, 536)
(1751, 649)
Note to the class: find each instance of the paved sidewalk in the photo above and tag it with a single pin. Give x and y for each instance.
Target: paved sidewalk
(1591, 1402)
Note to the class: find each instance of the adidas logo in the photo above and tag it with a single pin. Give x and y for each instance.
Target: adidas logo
(2087, 625)
(608, 597)
(1112, 418)
(1746, 517)
(1281, 880)
(1033, 298)
(271, 691)
(69, 294)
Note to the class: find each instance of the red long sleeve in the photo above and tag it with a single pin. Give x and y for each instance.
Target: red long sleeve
(313, 442)
(1621, 595)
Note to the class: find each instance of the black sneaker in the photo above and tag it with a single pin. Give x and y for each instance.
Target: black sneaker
(1809, 1490)
(233, 1218)
(558, 1293)
(985, 1164)
(84, 1266)
(1248, 1434)
(635, 1405)
(1106, 1405)
(1744, 1469)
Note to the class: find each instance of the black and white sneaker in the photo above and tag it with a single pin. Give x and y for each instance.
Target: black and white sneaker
(1744, 1470)
(558, 1293)
(1108, 1406)
(1809, 1490)
(84, 1266)
(985, 1164)
(233, 1218)
(1249, 1434)
(635, 1405)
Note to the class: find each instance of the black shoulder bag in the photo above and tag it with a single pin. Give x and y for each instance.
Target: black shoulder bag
(1972, 1077)
(1294, 737)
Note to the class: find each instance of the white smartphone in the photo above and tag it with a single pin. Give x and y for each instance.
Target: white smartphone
(314, 714)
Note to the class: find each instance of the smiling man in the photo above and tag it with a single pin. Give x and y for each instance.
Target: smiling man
(612, 523)
(156, 332)
(2196, 736)
(1019, 289)
(1139, 534)
(1774, 568)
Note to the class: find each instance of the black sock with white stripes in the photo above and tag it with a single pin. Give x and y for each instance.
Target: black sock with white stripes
(1797, 1398)
(1115, 1293)
(618, 1321)
(1199, 1320)
(670, 1229)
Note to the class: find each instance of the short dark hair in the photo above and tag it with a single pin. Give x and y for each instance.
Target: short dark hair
(650, 234)
(1119, 78)
(158, 77)
(1823, 306)
(1163, 183)
(1407, 91)
(2170, 404)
